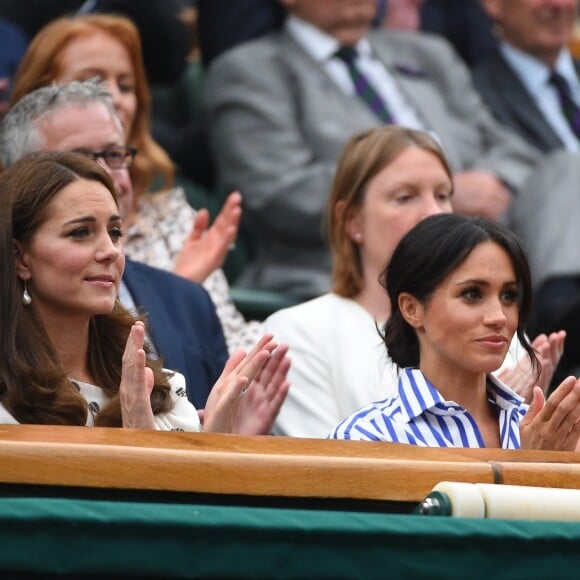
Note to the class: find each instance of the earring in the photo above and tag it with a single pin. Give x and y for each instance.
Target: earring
(26, 298)
(358, 237)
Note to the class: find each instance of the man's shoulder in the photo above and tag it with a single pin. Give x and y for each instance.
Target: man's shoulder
(267, 47)
(410, 40)
(163, 280)
(492, 65)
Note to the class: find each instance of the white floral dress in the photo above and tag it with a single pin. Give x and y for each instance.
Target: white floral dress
(182, 417)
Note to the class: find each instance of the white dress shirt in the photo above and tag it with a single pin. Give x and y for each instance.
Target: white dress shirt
(322, 48)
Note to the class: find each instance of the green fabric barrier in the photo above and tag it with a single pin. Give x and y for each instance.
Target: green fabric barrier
(257, 304)
(67, 536)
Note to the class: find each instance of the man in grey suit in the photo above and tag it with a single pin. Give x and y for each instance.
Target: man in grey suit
(282, 107)
(532, 84)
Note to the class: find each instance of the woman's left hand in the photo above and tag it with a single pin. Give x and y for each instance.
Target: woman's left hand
(261, 404)
(136, 382)
(225, 398)
(553, 424)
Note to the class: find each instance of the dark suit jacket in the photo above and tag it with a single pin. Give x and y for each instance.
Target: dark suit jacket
(464, 23)
(183, 325)
(512, 104)
(223, 24)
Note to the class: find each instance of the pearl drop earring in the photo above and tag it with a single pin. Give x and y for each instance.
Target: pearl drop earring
(26, 298)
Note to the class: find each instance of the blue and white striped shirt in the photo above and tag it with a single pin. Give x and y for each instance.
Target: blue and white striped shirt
(418, 415)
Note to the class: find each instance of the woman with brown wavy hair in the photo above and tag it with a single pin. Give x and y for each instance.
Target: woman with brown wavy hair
(163, 230)
(70, 353)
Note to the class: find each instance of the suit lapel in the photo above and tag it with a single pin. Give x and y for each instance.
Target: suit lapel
(521, 104)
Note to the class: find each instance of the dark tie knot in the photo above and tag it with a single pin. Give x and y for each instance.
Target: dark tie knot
(347, 53)
(559, 82)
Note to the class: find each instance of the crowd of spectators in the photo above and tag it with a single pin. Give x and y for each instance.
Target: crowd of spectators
(320, 133)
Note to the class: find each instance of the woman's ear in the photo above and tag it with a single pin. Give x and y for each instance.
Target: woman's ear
(20, 262)
(411, 309)
(351, 221)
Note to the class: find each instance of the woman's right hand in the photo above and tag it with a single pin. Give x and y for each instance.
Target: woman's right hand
(136, 382)
(553, 424)
(223, 403)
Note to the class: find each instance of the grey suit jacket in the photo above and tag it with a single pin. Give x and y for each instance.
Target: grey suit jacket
(279, 124)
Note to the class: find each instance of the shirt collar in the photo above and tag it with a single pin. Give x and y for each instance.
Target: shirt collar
(565, 66)
(418, 395)
(501, 394)
(319, 45)
(533, 72)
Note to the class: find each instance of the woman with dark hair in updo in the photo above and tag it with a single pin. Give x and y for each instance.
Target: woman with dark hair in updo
(459, 290)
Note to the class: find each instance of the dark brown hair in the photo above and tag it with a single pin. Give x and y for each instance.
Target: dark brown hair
(427, 255)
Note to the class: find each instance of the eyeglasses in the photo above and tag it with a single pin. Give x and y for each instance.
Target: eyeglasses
(114, 157)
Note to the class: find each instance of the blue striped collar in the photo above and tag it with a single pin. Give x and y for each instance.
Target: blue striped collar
(418, 395)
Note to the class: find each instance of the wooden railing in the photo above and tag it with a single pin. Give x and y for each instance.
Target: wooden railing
(261, 466)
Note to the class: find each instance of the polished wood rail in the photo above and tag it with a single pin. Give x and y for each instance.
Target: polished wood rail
(127, 459)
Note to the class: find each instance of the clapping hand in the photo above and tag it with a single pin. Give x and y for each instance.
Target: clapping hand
(261, 405)
(225, 398)
(553, 424)
(206, 247)
(549, 350)
(136, 382)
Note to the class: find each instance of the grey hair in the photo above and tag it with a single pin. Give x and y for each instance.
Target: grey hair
(19, 134)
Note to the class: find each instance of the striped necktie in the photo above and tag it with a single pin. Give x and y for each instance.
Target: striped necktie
(569, 107)
(363, 87)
